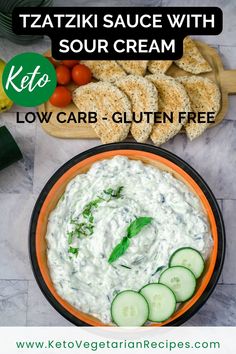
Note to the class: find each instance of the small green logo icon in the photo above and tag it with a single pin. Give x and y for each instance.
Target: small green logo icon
(29, 79)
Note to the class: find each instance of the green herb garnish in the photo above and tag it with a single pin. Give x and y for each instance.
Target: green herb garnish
(85, 228)
(119, 250)
(124, 266)
(114, 193)
(87, 212)
(158, 270)
(134, 228)
(82, 229)
(73, 250)
(70, 237)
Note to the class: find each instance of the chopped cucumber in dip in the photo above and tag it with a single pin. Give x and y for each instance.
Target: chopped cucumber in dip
(116, 228)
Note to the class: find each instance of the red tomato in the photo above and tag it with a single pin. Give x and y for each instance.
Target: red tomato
(70, 63)
(63, 75)
(54, 62)
(81, 74)
(61, 97)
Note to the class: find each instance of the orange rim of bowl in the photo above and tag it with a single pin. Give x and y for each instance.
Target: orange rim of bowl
(128, 153)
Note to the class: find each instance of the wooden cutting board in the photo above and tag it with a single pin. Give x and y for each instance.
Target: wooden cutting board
(225, 79)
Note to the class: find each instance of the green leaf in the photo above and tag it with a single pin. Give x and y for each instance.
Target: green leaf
(82, 229)
(91, 218)
(73, 250)
(88, 229)
(158, 270)
(108, 191)
(117, 193)
(70, 237)
(119, 250)
(114, 193)
(136, 226)
(87, 212)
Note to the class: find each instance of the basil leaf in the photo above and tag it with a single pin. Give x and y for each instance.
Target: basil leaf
(73, 250)
(119, 250)
(136, 226)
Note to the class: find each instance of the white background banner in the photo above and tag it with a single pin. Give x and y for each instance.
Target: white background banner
(106, 340)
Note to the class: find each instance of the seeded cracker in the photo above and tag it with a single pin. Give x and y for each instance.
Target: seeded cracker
(104, 99)
(192, 60)
(105, 70)
(159, 66)
(143, 96)
(172, 97)
(135, 67)
(204, 96)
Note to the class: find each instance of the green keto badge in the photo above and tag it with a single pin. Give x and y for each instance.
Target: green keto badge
(29, 79)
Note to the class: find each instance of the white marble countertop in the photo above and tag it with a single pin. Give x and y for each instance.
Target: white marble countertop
(213, 155)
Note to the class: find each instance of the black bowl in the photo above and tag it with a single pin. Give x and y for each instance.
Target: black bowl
(138, 148)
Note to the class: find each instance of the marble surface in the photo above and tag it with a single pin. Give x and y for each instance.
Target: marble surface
(213, 155)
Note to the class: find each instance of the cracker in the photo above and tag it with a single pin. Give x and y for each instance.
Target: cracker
(105, 70)
(204, 96)
(104, 99)
(159, 66)
(135, 67)
(143, 96)
(192, 60)
(172, 97)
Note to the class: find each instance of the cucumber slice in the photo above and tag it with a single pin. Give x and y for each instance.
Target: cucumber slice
(188, 258)
(161, 301)
(181, 281)
(129, 308)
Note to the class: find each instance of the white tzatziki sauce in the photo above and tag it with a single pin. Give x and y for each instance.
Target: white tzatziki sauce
(85, 278)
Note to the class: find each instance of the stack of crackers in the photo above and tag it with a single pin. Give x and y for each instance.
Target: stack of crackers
(125, 87)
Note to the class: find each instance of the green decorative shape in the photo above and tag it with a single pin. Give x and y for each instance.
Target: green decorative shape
(29, 79)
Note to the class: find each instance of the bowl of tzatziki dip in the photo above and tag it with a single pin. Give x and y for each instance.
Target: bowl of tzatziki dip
(117, 225)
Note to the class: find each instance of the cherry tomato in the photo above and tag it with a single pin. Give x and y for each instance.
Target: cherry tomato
(63, 75)
(61, 97)
(70, 63)
(54, 62)
(81, 74)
